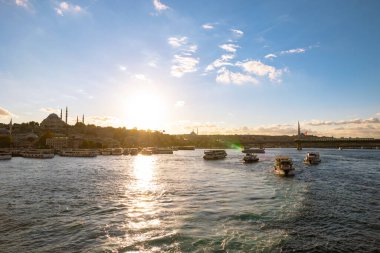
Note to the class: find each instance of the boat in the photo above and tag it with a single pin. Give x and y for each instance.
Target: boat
(253, 150)
(283, 166)
(79, 153)
(214, 154)
(250, 158)
(5, 155)
(146, 151)
(312, 158)
(117, 151)
(162, 151)
(186, 148)
(134, 151)
(38, 153)
(106, 151)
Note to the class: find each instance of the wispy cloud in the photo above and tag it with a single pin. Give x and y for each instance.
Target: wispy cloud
(103, 120)
(228, 77)
(260, 69)
(183, 60)
(183, 64)
(222, 61)
(270, 56)
(208, 26)
(345, 122)
(49, 110)
(237, 33)
(65, 7)
(4, 112)
(229, 47)
(180, 103)
(22, 3)
(141, 77)
(294, 51)
(177, 41)
(122, 68)
(159, 6)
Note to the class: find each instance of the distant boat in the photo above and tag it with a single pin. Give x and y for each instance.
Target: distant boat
(186, 148)
(5, 155)
(146, 151)
(214, 154)
(106, 151)
(78, 153)
(117, 151)
(340, 148)
(250, 158)
(162, 151)
(134, 151)
(253, 150)
(312, 158)
(283, 166)
(39, 154)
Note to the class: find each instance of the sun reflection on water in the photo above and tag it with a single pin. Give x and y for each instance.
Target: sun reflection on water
(143, 171)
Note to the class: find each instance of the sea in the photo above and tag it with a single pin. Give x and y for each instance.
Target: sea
(182, 203)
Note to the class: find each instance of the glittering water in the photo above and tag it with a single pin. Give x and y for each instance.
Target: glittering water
(181, 203)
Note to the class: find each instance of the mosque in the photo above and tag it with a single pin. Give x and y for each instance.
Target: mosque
(55, 123)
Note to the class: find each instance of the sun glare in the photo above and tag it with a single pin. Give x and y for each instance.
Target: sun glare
(146, 111)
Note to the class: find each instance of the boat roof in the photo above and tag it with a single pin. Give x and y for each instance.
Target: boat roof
(283, 158)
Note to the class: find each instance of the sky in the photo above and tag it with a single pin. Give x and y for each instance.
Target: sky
(219, 67)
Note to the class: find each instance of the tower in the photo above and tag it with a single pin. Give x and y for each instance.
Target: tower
(66, 114)
(299, 130)
(61, 113)
(83, 119)
(77, 119)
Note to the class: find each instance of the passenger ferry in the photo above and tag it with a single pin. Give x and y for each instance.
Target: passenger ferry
(79, 153)
(162, 151)
(117, 151)
(253, 150)
(312, 158)
(146, 151)
(283, 166)
(5, 155)
(250, 158)
(214, 154)
(38, 153)
(134, 151)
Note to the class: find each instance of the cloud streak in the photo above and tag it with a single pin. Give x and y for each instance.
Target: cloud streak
(65, 7)
(4, 112)
(228, 77)
(159, 6)
(345, 122)
(260, 69)
(183, 64)
(231, 48)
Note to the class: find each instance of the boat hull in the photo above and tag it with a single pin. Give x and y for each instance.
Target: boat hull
(6, 157)
(284, 173)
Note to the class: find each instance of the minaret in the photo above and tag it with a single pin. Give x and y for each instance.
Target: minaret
(66, 114)
(61, 113)
(10, 127)
(299, 130)
(83, 119)
(77, 119)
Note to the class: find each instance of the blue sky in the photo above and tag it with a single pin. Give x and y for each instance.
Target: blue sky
(220, 66)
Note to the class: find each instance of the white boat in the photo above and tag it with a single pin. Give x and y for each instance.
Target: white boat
(5, 155)
(253, 150)
(250, 158)
(283, 166)
(146, 151)
(134, 151)
(312, 158)
(106, 151)
(117, 151)
(162, 151)
(78, 153)
(214, 154)
(40, 154)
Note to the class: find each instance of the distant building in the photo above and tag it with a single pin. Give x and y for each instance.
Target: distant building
(57, 142)
(54, 123)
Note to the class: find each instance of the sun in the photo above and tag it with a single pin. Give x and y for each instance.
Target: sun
(146, 110)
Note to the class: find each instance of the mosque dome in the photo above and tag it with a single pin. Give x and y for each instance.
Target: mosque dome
(53, 122)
